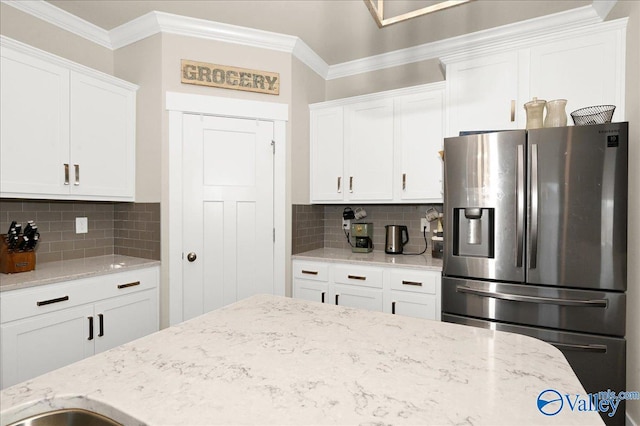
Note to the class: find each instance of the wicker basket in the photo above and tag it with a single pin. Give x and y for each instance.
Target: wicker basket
(598, 114)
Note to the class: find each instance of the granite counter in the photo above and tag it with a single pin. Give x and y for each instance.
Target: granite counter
(275, 360)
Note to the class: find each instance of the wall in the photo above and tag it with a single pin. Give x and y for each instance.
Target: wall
(114, 228)
(307, 229)
(632, 10)
(140, 63)
(423, 72)
(37, 33)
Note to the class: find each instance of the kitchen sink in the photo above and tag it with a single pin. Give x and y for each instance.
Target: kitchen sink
(67, 417)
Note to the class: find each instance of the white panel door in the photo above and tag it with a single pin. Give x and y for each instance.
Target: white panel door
(483, 94)
(34, 126)
(419, 126)
(102, 138)
(369, 141)
(228, 211)
(40, 344)
(583, 70)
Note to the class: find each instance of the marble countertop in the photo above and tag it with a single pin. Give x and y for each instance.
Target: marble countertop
(54, 272)
(424, 261)
(273, 360)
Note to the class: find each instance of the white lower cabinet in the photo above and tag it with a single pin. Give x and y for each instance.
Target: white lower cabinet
(48, 327)
(402, 291)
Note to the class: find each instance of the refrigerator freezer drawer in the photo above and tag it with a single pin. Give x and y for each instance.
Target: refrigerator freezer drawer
(588, 311)
(598, 361)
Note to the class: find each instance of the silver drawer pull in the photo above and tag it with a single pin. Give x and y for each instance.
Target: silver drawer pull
(412, 283)
(581, 348)
(50, 301)
(133, 284)
(356, 277)
(596, 303)
(77, 170)
(310, 272)
(66, 173)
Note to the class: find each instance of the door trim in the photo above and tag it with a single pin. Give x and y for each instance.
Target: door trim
(178, 104)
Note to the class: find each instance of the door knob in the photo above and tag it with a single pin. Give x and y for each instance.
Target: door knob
(191, 257)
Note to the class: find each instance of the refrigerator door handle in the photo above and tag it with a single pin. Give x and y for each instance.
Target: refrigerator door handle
(534, 207)
(596, 303)
(520, 206)
(580, 348)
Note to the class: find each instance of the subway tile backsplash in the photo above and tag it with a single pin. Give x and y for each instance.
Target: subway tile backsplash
(309, 235)
(108, 233)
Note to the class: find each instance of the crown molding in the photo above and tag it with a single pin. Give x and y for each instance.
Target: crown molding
(17, 46)
(448, 49)
(62, 19)
(452, 49)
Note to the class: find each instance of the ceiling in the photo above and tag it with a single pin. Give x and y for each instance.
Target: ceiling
(337, 30)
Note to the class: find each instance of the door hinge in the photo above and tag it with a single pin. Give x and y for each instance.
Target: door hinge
(273, 145)
(274, 235)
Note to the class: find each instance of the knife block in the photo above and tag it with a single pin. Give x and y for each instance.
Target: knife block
(15, 261)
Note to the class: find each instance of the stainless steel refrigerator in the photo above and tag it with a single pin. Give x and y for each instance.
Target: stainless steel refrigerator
(536, 242)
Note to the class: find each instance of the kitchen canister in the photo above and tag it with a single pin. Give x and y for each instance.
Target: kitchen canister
(556, 114)
(535, 111)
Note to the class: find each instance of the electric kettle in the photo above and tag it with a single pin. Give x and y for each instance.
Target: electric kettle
(396, 236)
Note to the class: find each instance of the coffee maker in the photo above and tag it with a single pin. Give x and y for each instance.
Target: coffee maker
(362, 234)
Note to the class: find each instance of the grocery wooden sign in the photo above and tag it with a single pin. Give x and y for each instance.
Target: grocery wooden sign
(225, 77)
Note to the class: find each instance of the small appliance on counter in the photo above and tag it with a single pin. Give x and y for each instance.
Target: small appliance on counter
(396, 236)
(362, 234)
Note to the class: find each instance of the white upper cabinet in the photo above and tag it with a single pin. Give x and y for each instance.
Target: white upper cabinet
(419, 127)
(379, 148)
(369, 150)
(586, 71)
(487, 88)
(102, 138)
(68, 132)
(327, 165)
(34, 96)
(483, 93)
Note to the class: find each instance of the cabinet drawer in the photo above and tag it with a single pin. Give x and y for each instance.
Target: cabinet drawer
(358, 275)
(311, 271)
(415, 281)
(53, 297)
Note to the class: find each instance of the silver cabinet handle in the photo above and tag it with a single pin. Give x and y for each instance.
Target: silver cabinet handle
(66, 173)
(339, 184)
(133, 284)
(416, 283)
(597, 303)
(513, 111)
(580, 348)
(404, 181)
(533, 257)
(304, 271)
(356, 277)
(519, 205)
(350, 183)
(77, 171)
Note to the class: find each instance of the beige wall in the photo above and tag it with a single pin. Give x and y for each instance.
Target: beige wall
(140, 63)
(632, 10)
(37, 33)
(387, 79)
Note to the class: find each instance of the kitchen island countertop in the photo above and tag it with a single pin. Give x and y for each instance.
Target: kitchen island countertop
(276, 360)
(376, 257)
(65, 270)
